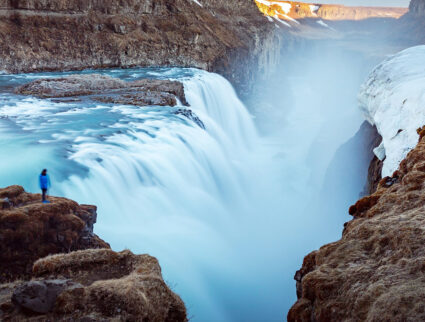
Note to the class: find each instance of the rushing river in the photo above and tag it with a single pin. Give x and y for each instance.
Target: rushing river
(225, 210)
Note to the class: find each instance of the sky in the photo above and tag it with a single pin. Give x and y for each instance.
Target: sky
(372, 3)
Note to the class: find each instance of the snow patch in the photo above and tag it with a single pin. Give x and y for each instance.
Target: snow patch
(314, 8)
(269, 18)
(393, 99)
(291, 19)
(197, 2)
(322, 23)
(282, 22)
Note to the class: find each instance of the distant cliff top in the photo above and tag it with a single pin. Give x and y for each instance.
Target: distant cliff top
(298, 10)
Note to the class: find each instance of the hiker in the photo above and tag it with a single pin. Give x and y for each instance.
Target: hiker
(44, 184)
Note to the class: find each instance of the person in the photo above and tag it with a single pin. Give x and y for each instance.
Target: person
(44, 180)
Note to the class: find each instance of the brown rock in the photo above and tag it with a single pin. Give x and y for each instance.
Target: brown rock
(93, 285)
(30, 230)
(375, 272)
(40, 296)
(108, 90)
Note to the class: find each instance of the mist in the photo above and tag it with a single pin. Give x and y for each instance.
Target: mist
(309, 110)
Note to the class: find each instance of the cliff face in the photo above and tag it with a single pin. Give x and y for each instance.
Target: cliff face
(84, 280)
(220, 36)
(31, 230)
(417, 8)
(375, 272)
(412, 24)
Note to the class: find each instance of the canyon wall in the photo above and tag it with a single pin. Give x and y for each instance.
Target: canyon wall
(375, 271)
(215, 35)
(417, 8)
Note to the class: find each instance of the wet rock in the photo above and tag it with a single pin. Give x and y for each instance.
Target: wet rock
(191, 116)
(107, 89)
(375, 168)
(40, 296)
(74, 85)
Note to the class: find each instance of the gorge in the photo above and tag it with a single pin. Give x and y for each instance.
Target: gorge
(229, 195)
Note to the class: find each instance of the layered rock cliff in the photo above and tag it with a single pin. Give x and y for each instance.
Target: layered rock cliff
(375, 272)
(81, 279)
(215, 35)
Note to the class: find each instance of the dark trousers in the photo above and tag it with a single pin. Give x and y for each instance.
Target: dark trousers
(44, 194)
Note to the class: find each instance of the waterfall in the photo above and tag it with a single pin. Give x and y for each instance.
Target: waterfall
(202, 200)
(227, 212)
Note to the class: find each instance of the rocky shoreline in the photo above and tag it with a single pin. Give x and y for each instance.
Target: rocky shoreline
(53, 267)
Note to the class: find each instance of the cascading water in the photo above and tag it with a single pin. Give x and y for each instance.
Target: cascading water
(223, 209)
(203, 201)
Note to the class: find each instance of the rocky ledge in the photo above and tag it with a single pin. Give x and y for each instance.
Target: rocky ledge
(108, 90)
(81, 279)
(376, 271)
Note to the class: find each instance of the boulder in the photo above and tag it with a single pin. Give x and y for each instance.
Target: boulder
(93, 285)
(40, 296)
(108, 89)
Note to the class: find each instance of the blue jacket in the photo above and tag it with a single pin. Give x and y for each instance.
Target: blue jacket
(44, 181)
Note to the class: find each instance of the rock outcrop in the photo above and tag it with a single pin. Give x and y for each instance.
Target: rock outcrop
(108, 89)
(215, 35)
(31, 230)
(417, 8)
(412, 24)
(93, 285)
(375, 272)
(53, 268)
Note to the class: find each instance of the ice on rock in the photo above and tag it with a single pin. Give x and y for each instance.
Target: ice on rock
(393, 99)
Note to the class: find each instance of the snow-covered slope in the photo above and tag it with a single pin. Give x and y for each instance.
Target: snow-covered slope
(393, 99)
